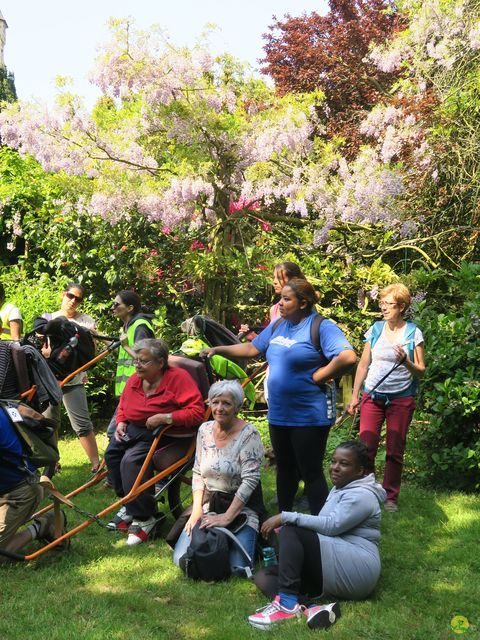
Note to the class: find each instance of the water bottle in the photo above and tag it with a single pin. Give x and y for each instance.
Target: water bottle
(330, 397)
(269, 557)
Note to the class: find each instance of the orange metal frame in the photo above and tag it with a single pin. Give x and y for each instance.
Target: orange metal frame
(139, 485)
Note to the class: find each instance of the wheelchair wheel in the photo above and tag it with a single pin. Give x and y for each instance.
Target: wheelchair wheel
(180, 493)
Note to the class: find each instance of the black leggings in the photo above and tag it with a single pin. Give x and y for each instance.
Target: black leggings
(300, 568)
(300, 449)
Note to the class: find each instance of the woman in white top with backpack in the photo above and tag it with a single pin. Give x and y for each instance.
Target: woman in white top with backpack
(74, 394)
(391, 364)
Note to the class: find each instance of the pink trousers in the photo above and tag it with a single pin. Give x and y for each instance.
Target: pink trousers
(398, 416)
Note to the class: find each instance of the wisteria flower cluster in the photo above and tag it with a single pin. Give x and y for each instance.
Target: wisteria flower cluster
(440, 36)
(394, 132)
(176, 141)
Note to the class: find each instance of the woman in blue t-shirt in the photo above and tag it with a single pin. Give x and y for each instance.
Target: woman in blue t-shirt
(301, 403)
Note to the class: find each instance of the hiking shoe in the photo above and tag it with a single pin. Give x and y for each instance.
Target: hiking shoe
(46, 526)
(391, 506)
(322, 616)
(121, 521)
(139, 530)
(107, 485)
(273, 614)
(46, 529)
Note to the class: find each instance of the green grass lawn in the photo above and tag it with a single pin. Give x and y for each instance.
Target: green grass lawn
(101, 589)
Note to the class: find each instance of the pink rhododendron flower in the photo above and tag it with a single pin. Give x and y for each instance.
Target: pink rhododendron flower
(242, 205)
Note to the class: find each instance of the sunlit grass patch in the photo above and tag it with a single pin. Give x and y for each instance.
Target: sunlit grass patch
(102, 589)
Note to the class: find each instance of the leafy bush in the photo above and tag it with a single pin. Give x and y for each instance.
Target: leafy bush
(446, 439)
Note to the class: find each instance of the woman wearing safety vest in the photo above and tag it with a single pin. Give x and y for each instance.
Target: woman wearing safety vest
(10, 319)
(127, 307)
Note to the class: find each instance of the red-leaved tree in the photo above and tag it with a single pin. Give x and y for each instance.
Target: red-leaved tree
(329, 53)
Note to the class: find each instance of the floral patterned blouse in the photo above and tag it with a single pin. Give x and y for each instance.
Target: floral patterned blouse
(234, 468)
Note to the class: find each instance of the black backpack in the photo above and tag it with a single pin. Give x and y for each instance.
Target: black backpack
(208, 558)
(71, 345)
(35, 432)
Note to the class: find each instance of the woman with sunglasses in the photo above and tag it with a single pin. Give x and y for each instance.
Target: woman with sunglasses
(74, 395)
(136, 326)
(393, 348)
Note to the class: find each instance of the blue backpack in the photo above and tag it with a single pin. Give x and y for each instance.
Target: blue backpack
(409, 336)
(409, 342)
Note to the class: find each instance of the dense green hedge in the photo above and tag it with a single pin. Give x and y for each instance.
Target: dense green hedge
(445, 438)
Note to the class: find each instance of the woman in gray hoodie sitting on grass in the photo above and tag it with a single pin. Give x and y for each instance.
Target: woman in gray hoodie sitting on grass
(332, 555)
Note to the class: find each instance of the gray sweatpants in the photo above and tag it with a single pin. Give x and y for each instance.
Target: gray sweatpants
(75, 402)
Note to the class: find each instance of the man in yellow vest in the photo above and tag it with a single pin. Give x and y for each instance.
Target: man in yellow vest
(11, 319)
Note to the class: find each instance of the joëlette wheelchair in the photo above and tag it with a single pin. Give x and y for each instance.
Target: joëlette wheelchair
(17, 383)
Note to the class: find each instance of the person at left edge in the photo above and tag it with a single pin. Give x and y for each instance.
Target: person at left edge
(136, 326)
(20, 494)
(11, 319)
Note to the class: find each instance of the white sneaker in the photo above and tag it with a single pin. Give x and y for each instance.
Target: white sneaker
(139, 531)
(323, 616)
(273, 614)
(121, 521)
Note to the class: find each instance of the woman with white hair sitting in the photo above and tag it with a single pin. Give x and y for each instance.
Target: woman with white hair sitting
(226, 473)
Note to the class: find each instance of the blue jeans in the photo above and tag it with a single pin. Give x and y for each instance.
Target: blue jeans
(247, 536)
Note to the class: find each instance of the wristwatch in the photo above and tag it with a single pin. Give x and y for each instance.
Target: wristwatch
(168, 418)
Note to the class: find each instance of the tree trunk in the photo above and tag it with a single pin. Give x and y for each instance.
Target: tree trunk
(220, 284)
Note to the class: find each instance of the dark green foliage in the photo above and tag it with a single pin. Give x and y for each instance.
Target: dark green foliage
(447, 436)
(8, 93)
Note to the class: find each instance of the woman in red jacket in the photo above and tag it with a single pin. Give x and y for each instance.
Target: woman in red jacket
(154, 396)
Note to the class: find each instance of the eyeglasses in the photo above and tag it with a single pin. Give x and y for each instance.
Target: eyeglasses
(141, 363)
(72, 296)
(383, 303)
(115, 305)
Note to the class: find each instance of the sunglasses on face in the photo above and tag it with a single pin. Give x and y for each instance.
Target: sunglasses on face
(72, 296)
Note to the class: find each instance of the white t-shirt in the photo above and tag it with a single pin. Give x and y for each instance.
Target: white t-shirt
(8, 313)
(82, 319)
(383, 359)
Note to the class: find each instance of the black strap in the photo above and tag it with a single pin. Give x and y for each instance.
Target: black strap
(315, 333)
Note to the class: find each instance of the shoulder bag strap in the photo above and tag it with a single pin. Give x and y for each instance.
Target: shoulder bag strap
(236, 541)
